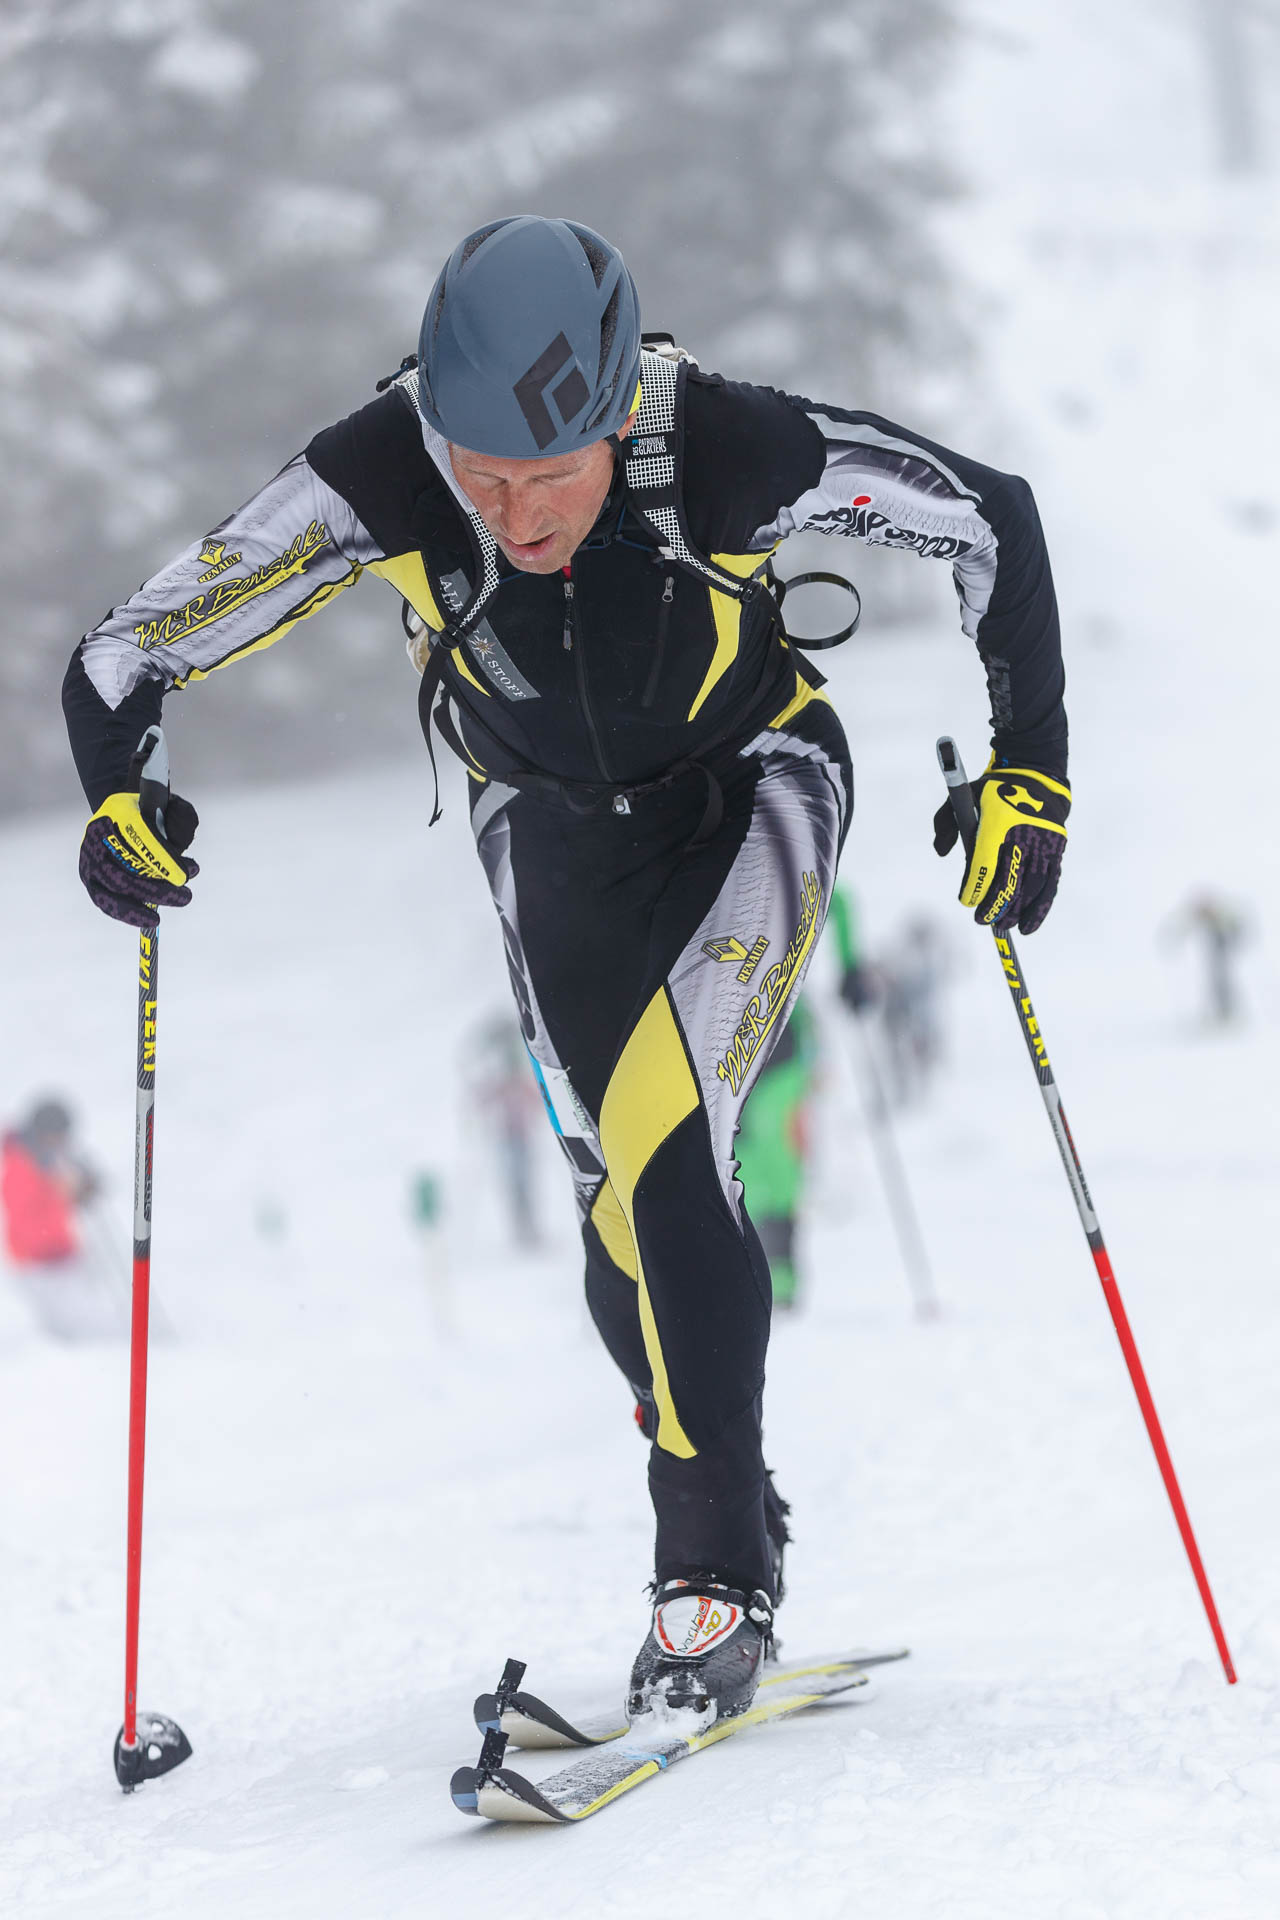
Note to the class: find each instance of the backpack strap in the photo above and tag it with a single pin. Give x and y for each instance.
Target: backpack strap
(653, 463)
(465, 617)
(782, 587)
(652, 466)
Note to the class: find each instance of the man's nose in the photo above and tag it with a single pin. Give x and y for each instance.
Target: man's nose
(520, 517)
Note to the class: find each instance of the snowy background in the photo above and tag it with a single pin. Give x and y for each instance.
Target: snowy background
(375, 1470)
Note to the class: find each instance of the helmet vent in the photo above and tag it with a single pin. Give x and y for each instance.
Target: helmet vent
(596, 254)
(477, 240)
(436, 315)
(608, 327)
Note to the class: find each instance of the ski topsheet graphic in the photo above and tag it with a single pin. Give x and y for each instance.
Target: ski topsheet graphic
(621, 1757)
(530, 1722)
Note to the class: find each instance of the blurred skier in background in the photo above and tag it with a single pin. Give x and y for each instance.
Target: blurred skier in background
(910, 980)
(44, 1184)
(580, 523)
(1221, 931)
(773, 1149)
(428, 1214)
(46, 1187)
(865, 990)
(860, 984)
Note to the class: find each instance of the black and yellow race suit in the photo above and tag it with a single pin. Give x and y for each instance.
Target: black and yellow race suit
(655, 946)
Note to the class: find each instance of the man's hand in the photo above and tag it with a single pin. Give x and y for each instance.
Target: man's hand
(1012, 873)
(128, 869)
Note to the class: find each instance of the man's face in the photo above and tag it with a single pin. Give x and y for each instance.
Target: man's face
(538, 511)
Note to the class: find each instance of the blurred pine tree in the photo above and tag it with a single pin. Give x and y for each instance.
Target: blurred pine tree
(219, 222)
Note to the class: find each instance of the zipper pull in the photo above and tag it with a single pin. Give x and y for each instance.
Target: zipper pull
(568, 610)
(668, 590)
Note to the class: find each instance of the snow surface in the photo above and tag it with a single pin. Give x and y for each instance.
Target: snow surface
(369, 1483)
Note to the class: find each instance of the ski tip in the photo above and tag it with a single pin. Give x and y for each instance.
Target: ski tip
(502, 1796)
(530, 1722)
(488, 1714)
(508, 1797)
(465, 1789)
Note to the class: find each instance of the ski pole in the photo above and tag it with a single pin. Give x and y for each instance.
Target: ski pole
(148, 1744)
(915, 1259)
(961, 798)
(118, 1265)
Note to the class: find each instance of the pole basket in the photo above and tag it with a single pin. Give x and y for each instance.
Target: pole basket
(161, 1746)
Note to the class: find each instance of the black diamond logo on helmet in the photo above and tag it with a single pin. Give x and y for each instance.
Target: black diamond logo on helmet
(570, 396)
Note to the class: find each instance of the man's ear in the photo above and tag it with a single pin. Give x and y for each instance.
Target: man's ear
(615, 440)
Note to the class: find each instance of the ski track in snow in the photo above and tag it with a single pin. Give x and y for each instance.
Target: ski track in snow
(366, 1487)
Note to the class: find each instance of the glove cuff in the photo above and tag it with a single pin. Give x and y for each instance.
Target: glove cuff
(1047, 780)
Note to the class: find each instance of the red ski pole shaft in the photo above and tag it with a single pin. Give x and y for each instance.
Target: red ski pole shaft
(161, 1744)
(144, 1137)
(962, 806)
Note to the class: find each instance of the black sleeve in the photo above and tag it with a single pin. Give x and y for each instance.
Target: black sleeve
(104, 740)
(747, 454)
(886, 485)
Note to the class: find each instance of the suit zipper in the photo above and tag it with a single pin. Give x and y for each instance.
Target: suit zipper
(572, 630)
(650, 693)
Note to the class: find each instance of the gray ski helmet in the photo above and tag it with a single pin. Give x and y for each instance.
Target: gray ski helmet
(530, 344)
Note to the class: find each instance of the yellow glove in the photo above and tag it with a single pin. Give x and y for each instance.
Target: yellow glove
(128, 869)
(1012, 874)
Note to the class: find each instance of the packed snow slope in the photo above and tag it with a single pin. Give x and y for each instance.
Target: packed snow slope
(374, 1472)
(368, 1486)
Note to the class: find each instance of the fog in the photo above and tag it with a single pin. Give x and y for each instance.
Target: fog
(220, 223)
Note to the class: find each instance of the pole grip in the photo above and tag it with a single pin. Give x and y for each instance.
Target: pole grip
(150, 767)
(959, 792)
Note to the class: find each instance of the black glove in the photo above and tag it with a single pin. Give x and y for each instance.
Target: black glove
(1012, 873)
(128, 869)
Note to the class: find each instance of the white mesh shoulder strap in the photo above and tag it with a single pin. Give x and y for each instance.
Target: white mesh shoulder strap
(652, 469)
(464, 617)
(652, 480)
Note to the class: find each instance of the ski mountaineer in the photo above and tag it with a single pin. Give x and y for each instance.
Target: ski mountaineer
(581, 524)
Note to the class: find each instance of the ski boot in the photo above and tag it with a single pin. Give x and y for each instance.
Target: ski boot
(703, 1655)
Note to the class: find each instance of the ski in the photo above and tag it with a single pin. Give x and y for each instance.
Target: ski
(530, 1723)
(492, 1791)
